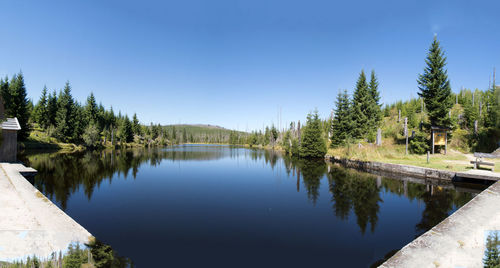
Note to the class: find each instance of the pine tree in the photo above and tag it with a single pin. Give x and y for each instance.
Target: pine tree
(492, 258)
(126, 133)
(80, 121)
(65, 116)
(91, 110)
(491, 116)
(361, 107)
(375, 111)
(19, 105)
(136, 127)
(40, 114)
(5, 93)
(342, 121)
(174, 134)
(184, 135)
(52, 109)
(313, 144)
(435, 87)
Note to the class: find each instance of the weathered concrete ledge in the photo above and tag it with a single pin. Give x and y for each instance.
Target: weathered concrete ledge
(30, 224)
(459, 240)
(420, 172)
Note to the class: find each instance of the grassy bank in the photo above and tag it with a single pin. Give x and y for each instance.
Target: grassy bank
(389, 152)
(39, 140)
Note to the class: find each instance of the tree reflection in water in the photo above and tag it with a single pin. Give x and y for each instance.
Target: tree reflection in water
(62, 174)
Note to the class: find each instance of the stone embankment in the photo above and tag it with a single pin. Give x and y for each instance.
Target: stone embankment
(30, 224)
(457, 241)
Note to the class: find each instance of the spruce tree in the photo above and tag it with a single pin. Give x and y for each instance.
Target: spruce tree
(136, 127)
(91, 110)
(492, 107)
(4, 91)
(342, 121)
(126, 133)
(40, 114)
(313, 144)
(65, 116)
(492, 258)
(184, 135)
(52, 109)
(435, 87)
(375, 111)
(80, 122)
(361, 107)
(19, 105)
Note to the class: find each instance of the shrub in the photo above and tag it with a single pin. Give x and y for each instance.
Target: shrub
(419, 144)
(91, 136)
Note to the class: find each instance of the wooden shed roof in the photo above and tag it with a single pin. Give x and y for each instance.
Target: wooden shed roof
(11, 124)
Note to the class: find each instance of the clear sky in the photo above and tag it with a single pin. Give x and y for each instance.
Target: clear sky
(236, 63)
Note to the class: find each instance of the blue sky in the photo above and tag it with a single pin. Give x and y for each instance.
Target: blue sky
(236, 63)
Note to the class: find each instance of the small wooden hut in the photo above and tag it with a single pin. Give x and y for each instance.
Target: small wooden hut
(8, 143)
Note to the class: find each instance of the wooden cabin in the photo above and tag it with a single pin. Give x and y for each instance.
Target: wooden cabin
(8, 142)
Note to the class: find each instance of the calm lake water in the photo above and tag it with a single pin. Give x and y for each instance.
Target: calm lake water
(220, 206)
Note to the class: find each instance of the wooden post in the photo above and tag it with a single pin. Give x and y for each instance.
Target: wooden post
(379, 137)
(445, 142)
(432, 134)
(428, 157)
(406, 134)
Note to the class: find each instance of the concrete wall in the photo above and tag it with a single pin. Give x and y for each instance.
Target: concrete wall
(8, 147)
(30, 224)
(459, 240)
(414, 171)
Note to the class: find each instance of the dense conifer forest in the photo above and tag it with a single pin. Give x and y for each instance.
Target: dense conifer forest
(471, 115)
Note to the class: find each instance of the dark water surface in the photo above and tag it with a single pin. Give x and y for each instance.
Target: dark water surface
(218, 206)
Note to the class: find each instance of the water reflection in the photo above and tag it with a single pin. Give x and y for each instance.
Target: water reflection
(61, 174)
(356, 191)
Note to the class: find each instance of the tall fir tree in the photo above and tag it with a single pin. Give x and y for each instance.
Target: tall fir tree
(375, 111)
(136, 127)
(80, 122)
(65, 117)
(342, 120)
(40, 113)
(126, 133)
(5, 93)
(435, 87)
(91, 109)
(492, 256)
(491, 116)
(361, 107)
(313, 143)
(19, 105)
(52, 109)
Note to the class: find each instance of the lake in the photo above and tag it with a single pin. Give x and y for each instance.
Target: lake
(222, 206)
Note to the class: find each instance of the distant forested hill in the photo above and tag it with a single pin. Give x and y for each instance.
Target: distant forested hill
(198, 133)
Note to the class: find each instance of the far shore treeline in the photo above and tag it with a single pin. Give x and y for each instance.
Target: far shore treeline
(57, 117)
(473, 118)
